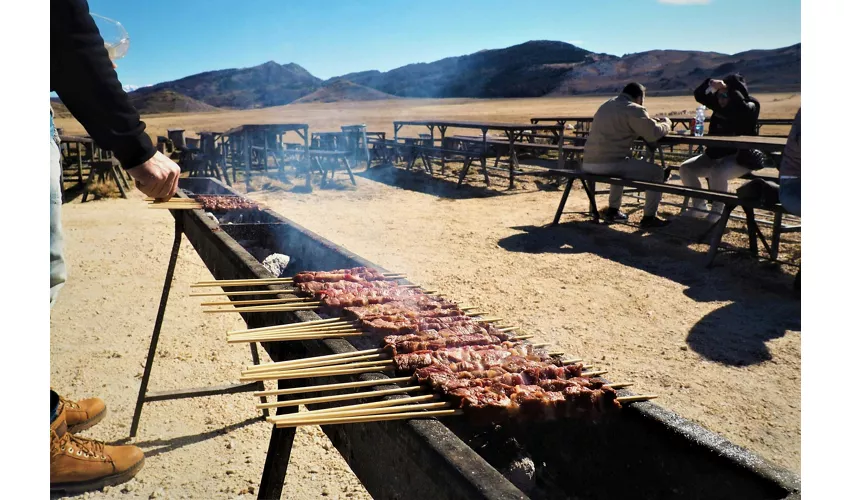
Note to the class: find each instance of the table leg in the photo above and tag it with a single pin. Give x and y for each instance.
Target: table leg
(717, 237)
(775, 237)
(567, 188)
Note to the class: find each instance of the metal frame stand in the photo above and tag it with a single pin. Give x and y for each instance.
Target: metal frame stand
(144, 396)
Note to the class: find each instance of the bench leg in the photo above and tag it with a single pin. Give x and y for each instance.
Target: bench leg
(567, 188)
(751, 231)
(590, 189)
(717, 237)
(350, 173)
(484, 169)
(775, 237)
(466, 164)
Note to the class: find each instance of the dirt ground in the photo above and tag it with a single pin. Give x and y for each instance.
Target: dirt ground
(721, 347)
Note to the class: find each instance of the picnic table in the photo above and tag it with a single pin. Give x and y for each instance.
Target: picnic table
(513, 131)
(583, 122)
(241, 140)
(99, 161)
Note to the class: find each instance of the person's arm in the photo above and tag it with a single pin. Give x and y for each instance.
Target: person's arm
(87, 84)
(644, 126)
(703, 96)
(84, 78)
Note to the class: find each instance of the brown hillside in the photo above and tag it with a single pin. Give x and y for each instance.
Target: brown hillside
(343, 90)
(167, 101)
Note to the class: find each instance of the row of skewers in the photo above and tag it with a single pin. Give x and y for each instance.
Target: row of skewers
(455, 355)
(208, 203)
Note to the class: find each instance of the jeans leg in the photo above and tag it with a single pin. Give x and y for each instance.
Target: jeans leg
(58, 273)
(645, 171)
(790, 195)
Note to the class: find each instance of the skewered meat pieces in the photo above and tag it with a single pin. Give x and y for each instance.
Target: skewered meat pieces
(356, 274)
(215, 203)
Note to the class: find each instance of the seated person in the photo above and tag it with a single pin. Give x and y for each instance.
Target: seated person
(734, 112)
(616, 125)
(789, 171)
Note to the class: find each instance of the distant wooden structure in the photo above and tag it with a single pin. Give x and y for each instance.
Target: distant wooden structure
(249, 148)
(81, 153)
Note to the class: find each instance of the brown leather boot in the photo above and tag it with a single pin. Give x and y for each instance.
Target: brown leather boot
(83, 414)
(78, 464)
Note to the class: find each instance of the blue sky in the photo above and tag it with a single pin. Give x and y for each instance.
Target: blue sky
(172, 39)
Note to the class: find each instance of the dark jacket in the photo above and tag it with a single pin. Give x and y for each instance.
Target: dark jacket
(739, 117)
(82, 75)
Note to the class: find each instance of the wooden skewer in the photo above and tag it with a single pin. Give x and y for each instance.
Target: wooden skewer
(238, 303)
(637, 399)
(272, 336)
(333, 387)
(326, 357)
(178, 206)
(290, 326)
(314, 364)
(372, 418)
(594, 374)
(263, 281)
(542, 344)
(283, 333)
(304, 306)
(306, 417)
(244, 292)
(323, 369)
(523, 337)
(556, 354)
(299, 304)
(620, 385)
(338, 397)
(328, 373)
(571, 361)
(320, 336)
(384, 403)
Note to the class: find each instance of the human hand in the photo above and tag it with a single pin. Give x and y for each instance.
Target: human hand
(717, 84)
(156, 177)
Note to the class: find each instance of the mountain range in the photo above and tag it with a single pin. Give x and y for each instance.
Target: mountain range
(531, 69)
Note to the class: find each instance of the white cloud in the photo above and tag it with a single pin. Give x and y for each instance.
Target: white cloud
(685, 2)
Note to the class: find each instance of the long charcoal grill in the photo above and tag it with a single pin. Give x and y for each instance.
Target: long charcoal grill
(645, 451)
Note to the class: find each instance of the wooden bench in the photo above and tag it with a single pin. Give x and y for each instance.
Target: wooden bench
(730, 201)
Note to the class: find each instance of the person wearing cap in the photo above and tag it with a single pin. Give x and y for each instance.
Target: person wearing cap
(616, 126)
(734, 112)
(84, 78)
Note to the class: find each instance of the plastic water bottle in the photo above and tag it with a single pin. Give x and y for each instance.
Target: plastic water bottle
(699, 123)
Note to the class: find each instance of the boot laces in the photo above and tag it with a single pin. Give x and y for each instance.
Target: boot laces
(69, 403)
(78, 446)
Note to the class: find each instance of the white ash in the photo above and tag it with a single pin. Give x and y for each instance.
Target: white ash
(521, 473)
(276, 263)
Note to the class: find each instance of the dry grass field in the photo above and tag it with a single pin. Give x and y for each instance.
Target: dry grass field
(720, 346)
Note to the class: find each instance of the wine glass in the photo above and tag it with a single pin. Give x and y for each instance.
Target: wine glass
(115, 37)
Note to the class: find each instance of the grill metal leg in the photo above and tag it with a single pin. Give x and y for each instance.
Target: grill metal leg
(277, 457)
(166, 288)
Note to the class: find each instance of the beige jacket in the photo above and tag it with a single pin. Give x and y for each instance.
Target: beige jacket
(615, 127)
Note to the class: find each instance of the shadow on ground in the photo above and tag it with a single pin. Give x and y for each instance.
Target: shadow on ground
(421, 182)
(156, 447)
(755, 289)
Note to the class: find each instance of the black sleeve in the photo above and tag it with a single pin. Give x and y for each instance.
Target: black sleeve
(82, 75)
(707, 100)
